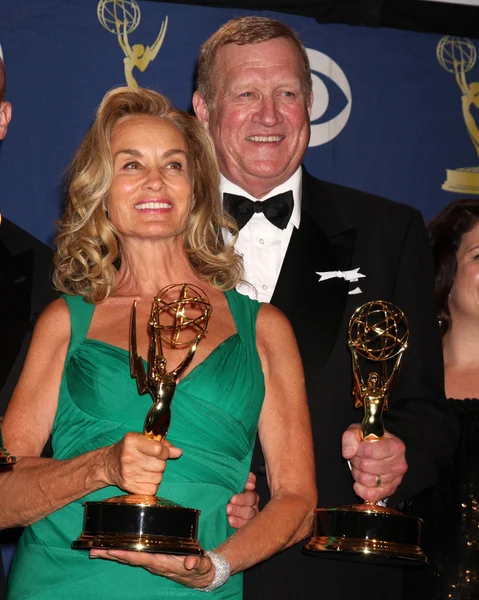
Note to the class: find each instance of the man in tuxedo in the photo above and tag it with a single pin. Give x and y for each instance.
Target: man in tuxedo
(5, 116)
(318, 251)
(26, 289)
(25, 265)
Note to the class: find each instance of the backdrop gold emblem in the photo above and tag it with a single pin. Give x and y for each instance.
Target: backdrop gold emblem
(458, 56)
(122, 17)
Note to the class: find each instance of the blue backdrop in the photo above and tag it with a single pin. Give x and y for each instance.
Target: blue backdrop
(387, 117)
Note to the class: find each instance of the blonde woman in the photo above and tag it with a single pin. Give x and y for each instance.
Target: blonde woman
(143, 213)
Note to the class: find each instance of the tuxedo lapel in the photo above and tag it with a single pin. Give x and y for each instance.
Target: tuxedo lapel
(16, 284)
(322, 243)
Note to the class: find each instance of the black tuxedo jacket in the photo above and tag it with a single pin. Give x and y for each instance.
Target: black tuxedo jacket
(26, 289)
(342, 229)
(25, 281)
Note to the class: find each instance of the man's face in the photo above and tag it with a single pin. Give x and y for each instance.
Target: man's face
(259, 118)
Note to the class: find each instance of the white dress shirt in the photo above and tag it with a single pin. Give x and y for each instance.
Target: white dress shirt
(262, 244)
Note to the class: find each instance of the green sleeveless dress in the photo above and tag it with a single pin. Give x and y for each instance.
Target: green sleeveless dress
(214, 420)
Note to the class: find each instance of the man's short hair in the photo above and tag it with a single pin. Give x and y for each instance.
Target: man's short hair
(242, 31)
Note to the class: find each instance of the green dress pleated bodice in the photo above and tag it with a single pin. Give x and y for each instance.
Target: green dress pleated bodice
(215, 414)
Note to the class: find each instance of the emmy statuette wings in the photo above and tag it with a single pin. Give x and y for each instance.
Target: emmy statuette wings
(151, 523)
(122, 17)
(378, 333)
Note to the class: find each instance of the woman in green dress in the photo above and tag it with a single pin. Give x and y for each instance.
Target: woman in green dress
(142, 213)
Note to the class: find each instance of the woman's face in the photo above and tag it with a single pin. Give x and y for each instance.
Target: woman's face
(464, 295)
(150, 195)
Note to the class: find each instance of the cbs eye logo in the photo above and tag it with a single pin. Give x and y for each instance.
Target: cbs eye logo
(326, 122)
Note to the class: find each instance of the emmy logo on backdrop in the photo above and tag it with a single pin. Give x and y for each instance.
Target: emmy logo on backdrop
(458, 56)
(179, 318)
(377, 337)
(122, 17)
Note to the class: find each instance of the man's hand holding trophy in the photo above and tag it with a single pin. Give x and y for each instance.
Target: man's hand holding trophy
(377, 336)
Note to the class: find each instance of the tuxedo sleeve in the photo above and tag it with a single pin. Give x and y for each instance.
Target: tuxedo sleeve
(419, 414)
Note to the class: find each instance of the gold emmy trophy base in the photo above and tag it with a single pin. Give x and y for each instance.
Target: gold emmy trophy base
(366, 532)
(150, 523)
(142, 523)
(378, 331)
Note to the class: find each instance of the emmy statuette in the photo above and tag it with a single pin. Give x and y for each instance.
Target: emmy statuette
(122, 17)
(378, 333)
(5, 458)
(458, 56)
(151, 523)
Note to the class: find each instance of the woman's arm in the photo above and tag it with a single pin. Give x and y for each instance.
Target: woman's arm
(286, 439)
(35, 487)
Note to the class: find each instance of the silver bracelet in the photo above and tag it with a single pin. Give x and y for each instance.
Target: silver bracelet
(222, 571)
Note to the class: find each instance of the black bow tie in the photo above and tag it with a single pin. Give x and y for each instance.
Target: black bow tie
(277, 209)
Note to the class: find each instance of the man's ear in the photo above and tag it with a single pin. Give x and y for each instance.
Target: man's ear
(310, 103)
(5, 117)
(201, 110)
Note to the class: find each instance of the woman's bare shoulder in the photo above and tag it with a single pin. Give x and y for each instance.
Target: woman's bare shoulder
(54, 321)
(272, 321)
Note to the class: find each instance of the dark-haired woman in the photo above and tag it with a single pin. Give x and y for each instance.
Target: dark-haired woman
(451, 509)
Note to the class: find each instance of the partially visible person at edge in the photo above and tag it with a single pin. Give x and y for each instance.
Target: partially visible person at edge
(142, 213)
(255, 96)
(450, 509)
(5, 117)
(5, 107)
(26, 289)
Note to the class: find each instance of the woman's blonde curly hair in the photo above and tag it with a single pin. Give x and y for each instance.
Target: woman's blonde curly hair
(88, 250)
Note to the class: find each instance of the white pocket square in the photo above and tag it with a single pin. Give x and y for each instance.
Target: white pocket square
(353, 275)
